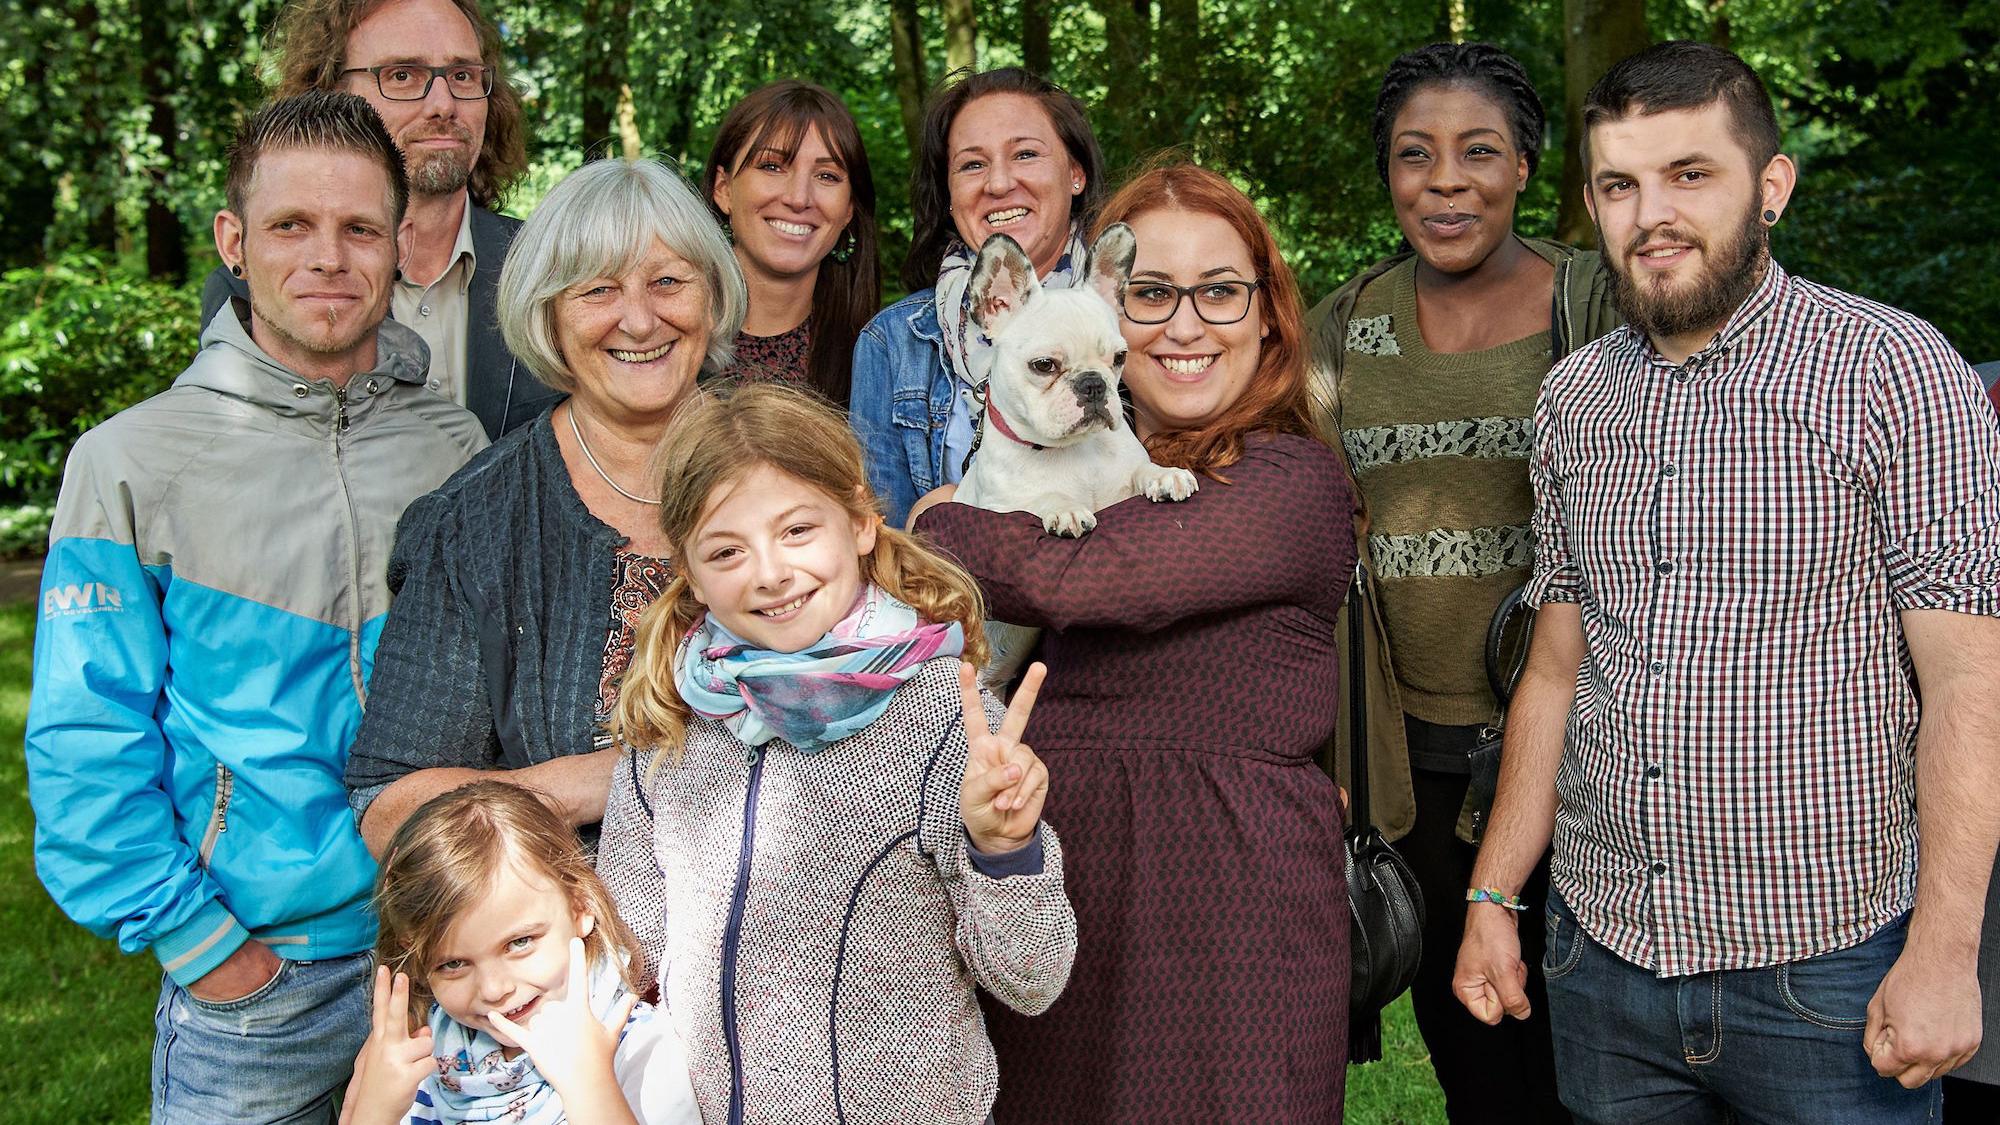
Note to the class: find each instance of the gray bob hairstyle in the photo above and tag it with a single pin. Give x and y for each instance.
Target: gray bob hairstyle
(600, 221)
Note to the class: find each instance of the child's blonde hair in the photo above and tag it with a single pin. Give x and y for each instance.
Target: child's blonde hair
(712, 443)
(445, 858)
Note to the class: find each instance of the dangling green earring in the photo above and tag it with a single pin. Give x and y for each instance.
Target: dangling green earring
(846, 248)
(728, 232)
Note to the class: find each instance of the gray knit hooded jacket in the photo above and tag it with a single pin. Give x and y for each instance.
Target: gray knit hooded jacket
(819, 923)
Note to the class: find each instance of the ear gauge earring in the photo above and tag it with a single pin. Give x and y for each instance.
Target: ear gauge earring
(1770, 216)
(236, 270)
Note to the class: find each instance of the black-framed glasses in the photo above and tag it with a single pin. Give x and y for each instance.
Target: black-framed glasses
(1217, 302)
(411, 82)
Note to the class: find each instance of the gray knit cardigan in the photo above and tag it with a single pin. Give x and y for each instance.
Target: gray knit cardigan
(823, 924)
(493, 650)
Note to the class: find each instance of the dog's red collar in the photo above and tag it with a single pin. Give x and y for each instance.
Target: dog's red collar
(1007, 431)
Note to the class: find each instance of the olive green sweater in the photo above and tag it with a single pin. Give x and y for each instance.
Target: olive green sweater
(1439, 444)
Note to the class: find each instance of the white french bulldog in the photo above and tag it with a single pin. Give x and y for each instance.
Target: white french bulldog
(1054, 440)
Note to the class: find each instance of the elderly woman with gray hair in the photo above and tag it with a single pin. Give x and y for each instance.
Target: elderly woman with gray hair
(518, 583)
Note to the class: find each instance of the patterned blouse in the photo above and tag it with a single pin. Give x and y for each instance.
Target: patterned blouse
(781, 357)
(641, 579)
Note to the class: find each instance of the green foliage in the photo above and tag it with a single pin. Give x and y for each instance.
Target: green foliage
(1886, 106)
(87, 1008)
(80, 340)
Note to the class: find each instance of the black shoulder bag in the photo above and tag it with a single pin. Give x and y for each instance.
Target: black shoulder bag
(1388, 912)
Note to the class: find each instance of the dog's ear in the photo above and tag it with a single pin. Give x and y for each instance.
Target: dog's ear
(1003, 282)
(1111, 262)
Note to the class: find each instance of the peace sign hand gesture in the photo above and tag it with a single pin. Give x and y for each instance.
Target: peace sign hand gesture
(393, 1062)
(1005, 783)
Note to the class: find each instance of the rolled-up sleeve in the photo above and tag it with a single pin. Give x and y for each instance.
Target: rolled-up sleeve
(1933, 449)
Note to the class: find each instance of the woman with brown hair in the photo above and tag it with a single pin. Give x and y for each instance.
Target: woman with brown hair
(1192, 678)
(789, 180)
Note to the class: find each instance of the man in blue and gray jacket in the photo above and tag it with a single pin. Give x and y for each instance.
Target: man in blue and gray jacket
(213, 591)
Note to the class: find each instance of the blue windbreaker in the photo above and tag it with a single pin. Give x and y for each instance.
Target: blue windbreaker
(214, 587)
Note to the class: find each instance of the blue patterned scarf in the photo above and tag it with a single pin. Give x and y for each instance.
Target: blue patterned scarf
(820, 694)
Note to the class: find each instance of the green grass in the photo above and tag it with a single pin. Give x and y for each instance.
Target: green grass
(78, 1021)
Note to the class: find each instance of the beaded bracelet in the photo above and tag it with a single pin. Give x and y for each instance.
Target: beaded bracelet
(1492, 895)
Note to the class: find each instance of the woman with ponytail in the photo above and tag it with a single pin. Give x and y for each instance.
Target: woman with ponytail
(823, 826)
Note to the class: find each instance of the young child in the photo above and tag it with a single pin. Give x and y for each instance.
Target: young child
(501, 947)
(821, 834)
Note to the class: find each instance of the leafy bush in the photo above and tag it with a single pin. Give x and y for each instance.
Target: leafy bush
(80, 340)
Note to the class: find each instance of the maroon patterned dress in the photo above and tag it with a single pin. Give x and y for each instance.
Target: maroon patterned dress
(1192, 678)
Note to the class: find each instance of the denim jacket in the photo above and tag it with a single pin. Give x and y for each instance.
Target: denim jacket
(901, 403)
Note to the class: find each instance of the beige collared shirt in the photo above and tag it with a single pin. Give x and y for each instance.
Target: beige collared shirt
(438, 313)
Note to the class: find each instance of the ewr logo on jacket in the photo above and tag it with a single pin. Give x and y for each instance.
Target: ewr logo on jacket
(74, 600)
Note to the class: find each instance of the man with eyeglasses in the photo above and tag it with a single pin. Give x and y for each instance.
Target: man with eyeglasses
(431, 69)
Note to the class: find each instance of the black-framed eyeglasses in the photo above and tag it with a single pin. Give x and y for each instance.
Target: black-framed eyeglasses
(1217, 302)
(411, 82)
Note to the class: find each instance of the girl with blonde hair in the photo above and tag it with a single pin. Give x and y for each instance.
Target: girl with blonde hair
(818, 828)
(499, 945)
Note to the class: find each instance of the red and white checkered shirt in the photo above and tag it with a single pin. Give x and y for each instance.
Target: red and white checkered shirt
(1740, 532)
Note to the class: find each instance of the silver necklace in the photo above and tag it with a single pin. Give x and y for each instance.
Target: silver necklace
(592, 458)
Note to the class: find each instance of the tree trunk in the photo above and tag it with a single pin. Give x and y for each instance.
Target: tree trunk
(31, 208)
(906, 48)
(166, 242)
(1179, 87)
(961, 31)
(628, 124)
(1718, 23)
(1122, 120)
(1035, 36)
(606, 29)
(1596, 34)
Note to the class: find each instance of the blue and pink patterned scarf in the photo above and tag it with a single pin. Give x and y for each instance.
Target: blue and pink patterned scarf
(821, 694)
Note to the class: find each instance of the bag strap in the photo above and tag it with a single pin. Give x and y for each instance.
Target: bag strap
(1357, 704)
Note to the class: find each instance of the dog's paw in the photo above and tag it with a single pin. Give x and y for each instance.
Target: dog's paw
(1167, 484)
(1070, 523)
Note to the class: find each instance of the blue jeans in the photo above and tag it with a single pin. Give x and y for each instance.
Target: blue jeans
(276, 1055)
(1771, 1045)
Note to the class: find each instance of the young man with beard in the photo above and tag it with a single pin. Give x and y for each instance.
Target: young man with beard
(215, 581)
(1768, 521)
(432, 69)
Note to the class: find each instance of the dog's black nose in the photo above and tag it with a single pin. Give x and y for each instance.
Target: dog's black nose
(1091, 389)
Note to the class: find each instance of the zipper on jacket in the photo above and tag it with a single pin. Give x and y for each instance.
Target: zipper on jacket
(218, 818)
(732, 933)
(354, 584)
(1565, 331)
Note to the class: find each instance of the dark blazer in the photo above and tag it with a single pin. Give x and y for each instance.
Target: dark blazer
(498, 388)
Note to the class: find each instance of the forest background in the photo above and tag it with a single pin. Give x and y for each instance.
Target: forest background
(115, 115)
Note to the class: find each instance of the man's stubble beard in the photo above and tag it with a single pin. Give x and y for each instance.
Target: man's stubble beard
(1728, 276)
(440, 173)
